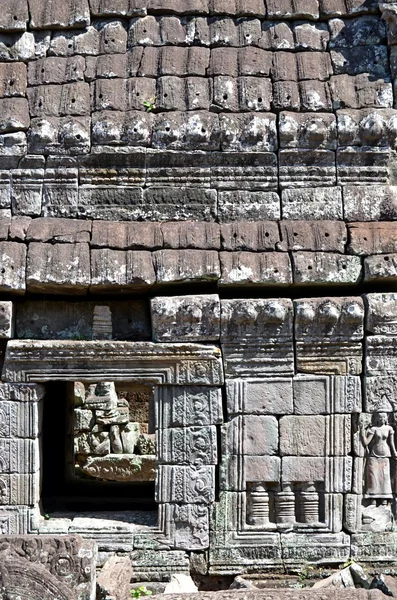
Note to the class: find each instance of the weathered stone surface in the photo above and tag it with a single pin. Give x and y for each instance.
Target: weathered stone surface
(59, 100)
(26, 192)
(194, 446)
(380, 267)
(117, 270)
(315, 203)
(322, 267)
(14, 16)
(170, 364)
(306, 168)
(181, 407)
(65, 15)
(18, 228)
(176, 266)
(126, 236)
(299, 130)
(249, 236)
(180, 318)
(48, 566)
(109, 202)
(187, 485)
(317, 236)
(329, 333)
(370, 203)
(260, 396)
(360, 91)
(367, 127)
(241, 204)
(58, 268)
(7, 319)
(381, 313)
(381, 355)
(58, 230)
(28, 46)
(248, 268)
(56, 70)
(13, 79)
(14, 114)
(256, 337)
(366, 165)
(313, 394)
(372, 238)
(251, 435)
(191, 235)
(12, 273)
(115, 576)
(60, 135)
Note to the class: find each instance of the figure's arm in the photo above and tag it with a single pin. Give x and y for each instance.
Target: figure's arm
(391, 441)
(367, 435)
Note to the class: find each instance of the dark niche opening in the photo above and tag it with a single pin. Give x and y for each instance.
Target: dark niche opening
(66, 486)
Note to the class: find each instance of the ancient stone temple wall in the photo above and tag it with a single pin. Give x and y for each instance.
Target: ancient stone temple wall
(198, 313)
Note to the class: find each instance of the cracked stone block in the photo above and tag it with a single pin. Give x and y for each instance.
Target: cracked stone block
(326, 267)
(13, 267)
(58, 268)
(176, 266)
(180, 318)
(54, 230)
(360, 91)
(372, 238)
(119, 271)
(262, 268)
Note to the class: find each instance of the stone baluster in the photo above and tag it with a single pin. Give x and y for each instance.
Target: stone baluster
(258, 506)
(285, 505)
(309, 504)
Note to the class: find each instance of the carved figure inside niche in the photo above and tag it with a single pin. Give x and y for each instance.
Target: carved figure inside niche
(378, 438)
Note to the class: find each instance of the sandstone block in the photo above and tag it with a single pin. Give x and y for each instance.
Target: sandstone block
(7, 319)
(336, 8)
(303, 468)
(14, 114)
(311, 36)
(181, 204)
(58, 268)
(110, 8)
(13, 146)
(251, 435)
(18, 228)
(189, 405)
(56, 70)
(191, 235)
(176, 266)
(59, 15)
(13, 80)
(126, 236)
(307, 130)
(256, 171)
(113, 127)
(322, 394)
(302, 436)
(109, 37)
(249, 236)
(60, 193)
(116, 270)
(380, 391)
(367, 127)
(27, 191)
(287, 9)
(28, 46)
(12, 273)
(360, 91)
(372, 238)
(317, 236)
(349, 33)
(60, 135)
(323, 267)
(244, 204)
(186, 131)
(115, 576)
(194, 446)
(58, 230)
(264, 268)
(248, 132)
(14, 15)
(381, 313)
(181, 318)
(380, 267)
(261, 396)
(300, 168)
(185, 484)
(361, 59)
(59, 100)
(109, 202)
(367, 165)
(370, 203)
(381, 355)
(255, 94)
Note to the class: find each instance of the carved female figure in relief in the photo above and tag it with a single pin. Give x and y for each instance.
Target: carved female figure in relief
(379, 441)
